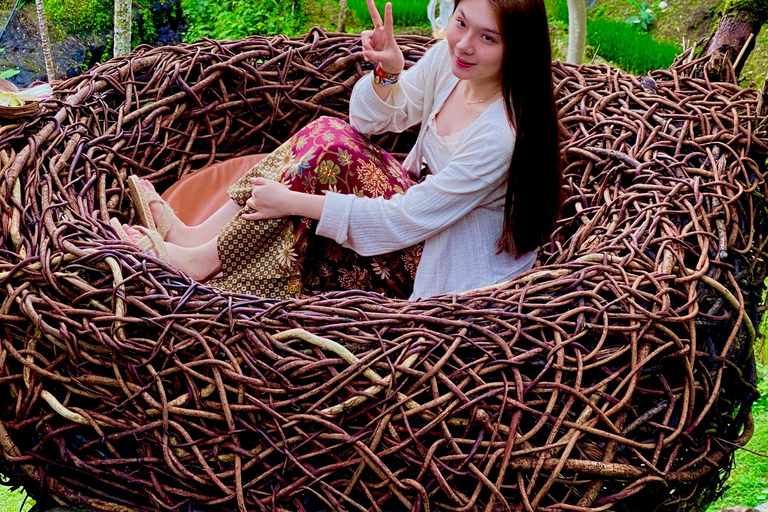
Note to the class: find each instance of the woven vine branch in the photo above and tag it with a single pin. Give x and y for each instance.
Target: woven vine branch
(619, 369)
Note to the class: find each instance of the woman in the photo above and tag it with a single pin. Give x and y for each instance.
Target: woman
(489, 135)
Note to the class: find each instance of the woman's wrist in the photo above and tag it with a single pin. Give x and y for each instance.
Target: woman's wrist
(306, 205)
(383, 76)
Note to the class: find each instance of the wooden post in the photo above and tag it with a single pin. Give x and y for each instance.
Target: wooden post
(45, 41)
(342, 15)
(577, 31)
(122, 33)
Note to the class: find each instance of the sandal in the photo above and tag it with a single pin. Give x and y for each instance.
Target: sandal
(141, 200)
(151, 242)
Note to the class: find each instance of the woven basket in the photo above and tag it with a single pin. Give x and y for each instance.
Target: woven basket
(618, 371)
(14, 113)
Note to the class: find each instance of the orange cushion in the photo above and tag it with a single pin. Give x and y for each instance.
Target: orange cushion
(197, 196)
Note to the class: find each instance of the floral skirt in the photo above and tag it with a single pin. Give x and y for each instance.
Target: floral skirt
(282, 258)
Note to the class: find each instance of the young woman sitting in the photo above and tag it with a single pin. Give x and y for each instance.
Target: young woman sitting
(489, 137)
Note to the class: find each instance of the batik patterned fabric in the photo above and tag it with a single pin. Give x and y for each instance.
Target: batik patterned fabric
(283, 258)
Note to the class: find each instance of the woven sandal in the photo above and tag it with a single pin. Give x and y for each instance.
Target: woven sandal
(141, 200)
(151, 242)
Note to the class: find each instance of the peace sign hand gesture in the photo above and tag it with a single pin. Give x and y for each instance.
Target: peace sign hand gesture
(379, 44)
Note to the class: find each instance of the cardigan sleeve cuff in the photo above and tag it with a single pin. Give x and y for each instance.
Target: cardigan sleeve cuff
(374, 104)
(334, 219)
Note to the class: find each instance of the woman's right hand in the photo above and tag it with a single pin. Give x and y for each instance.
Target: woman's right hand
(379, 44)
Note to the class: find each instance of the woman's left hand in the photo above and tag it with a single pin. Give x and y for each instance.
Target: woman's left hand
(269, 200)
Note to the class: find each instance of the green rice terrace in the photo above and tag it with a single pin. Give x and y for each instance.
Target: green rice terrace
(637, 37)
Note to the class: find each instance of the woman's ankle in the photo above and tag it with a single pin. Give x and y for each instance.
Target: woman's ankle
(200, 262)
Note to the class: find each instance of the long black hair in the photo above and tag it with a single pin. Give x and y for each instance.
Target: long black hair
(534, 196)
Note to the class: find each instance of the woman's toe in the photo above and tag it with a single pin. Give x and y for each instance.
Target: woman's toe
(157, 209)
(133, 233)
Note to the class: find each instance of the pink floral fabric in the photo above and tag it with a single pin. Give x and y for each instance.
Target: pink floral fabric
(328, 154)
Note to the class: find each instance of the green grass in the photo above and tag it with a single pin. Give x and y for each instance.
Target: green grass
(616, 41)
(405, 13)
(557, 10)
(748, 481)
(629, 48)
(11, 501)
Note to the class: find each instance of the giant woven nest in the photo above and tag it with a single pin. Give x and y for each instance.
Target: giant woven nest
(618, 372)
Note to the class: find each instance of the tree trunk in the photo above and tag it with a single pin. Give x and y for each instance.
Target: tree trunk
(734, 36)
(122, 28)
(342, 15)
(577, 31)
(45, 41)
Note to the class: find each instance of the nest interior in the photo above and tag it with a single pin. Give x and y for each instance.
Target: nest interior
(619, 369)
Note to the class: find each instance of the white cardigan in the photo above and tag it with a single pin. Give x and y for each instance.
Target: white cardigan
(458, 210)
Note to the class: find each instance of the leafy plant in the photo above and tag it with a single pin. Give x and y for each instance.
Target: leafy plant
(644, 17)
(143, 29)
(8, 73)
(557, 10)
(235, 19)
(13, 500)
(80, 16)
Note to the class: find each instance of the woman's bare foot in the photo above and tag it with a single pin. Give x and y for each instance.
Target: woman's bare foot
(199, 263)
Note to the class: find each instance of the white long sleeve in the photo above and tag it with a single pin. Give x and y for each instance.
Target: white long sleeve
(457, 211)
(372, 226)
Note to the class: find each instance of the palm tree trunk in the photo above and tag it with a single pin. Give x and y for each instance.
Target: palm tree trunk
(734, 36)
(122, 28)
(577, 31)
(342, 15)
(45, 41)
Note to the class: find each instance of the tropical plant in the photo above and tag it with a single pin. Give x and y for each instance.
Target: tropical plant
(645, 15)
(235, 19)
(80, 16)
(8, 73)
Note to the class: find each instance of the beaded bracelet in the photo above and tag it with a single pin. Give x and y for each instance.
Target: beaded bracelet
(381, 77)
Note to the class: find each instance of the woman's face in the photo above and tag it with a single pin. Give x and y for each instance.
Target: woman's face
(475, 42)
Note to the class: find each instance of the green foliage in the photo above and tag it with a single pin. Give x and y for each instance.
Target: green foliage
(235, 19)
(8, 73)
(80, 16)
(557, 10)
(644, 16)
(405, 13)
(633, 51)
(11, 501)
(143, 29)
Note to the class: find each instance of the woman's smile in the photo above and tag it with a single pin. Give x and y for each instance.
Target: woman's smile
(462, 63)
